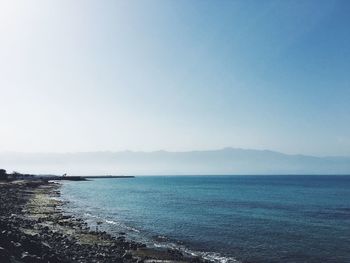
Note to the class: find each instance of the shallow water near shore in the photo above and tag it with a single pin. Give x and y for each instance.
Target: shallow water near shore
(225, 218)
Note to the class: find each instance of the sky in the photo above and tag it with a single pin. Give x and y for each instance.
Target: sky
(172, 75)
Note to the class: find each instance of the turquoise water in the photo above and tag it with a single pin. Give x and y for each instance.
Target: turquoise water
(226, 218)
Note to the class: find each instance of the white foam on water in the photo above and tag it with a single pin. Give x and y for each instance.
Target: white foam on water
(122, 225)
(210, 256)
(90, 215)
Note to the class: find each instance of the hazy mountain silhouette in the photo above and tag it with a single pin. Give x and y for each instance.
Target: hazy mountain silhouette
(224, 161)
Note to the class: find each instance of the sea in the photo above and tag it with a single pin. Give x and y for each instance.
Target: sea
(223, 218)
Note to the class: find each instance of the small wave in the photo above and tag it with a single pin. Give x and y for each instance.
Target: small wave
(160, 238)
(122, 225)
(111, 222)
(90, 215)
(210, 256)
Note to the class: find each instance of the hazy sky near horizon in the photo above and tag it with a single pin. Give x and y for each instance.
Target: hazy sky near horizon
(175, 75)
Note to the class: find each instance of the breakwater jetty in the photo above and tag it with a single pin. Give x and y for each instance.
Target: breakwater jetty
(84, 178)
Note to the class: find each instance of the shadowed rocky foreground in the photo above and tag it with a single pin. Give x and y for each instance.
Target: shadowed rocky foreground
(34, 229)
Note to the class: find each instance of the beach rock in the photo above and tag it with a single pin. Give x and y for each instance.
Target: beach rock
(16, 244)
(127, 256)
(29, 258)
(32, 247)
(175, 253)
(4, 255)
(51, 258)
(132, 246)
(45, 245)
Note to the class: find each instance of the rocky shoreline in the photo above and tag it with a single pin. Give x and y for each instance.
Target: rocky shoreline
(33, 228)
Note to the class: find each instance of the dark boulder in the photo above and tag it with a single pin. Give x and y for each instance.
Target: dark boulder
(4, 255)
(28, 258)
(127, 256)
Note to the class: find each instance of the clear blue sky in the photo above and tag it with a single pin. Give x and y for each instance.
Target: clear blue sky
(175, 75)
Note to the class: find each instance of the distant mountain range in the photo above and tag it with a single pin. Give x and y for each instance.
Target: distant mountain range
(214, 162)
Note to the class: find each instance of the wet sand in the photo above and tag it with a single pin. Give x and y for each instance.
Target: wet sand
(33, 228)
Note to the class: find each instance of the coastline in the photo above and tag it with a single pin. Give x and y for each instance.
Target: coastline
(34, 228)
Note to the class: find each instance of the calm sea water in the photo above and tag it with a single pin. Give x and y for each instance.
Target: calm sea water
(226, 218)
